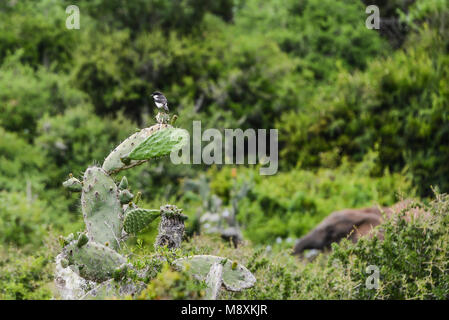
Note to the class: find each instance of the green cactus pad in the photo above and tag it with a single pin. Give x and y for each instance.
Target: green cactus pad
(101, 207)
(138, 219)
(82, 240)
(235, 279)
(160, 144)
(93, 261)
(73, 184)
(113, 164)
(123, 184)
(125, 196)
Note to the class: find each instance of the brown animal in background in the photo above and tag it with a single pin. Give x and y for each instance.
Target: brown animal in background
(351, 223)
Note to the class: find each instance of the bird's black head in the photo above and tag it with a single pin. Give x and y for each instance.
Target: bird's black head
(156, 93)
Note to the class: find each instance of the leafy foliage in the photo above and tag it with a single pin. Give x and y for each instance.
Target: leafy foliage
(412, 258)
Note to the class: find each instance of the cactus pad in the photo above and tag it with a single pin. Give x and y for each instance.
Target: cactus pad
(159, 144)
(235, 279)
(125, 196)
(73, 184)
(93, 261)
(123, 184)
(138, 219)
(113, 164)
(101, 207)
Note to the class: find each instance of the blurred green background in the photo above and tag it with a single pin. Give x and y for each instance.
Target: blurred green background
(363, 115)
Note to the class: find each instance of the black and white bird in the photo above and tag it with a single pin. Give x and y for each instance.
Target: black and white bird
(160, 100)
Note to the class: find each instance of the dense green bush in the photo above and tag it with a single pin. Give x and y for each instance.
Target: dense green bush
(37, 28)
(173, 285)
(26, 94)
(25, 277)
(20, 163)
(399, 107)
(140, 15)
(324, 35)
(412, 258)
(23, 221)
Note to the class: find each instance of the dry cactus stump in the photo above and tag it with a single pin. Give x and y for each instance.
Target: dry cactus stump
(171, 227)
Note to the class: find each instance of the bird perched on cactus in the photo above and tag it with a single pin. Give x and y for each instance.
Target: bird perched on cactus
(160, 100)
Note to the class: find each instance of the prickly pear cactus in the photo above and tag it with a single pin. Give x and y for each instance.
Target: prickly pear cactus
(92, 261)
(159, 144)
(113, 163)
(101, 207)
(235, 276)
(138, 219)
(111, 214)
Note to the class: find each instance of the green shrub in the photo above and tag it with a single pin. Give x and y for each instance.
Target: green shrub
(23, 221)
(324, 35)
(140, 15)
(398, 107)
(20, 163)
(25, 277)
(412, 258)
(38, 28)
(173, 285)
(26, 94)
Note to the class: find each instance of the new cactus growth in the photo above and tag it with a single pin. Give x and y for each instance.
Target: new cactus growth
(82, 240)
(73, 184)
(138, 219)
(125, 196)
(123, 184)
